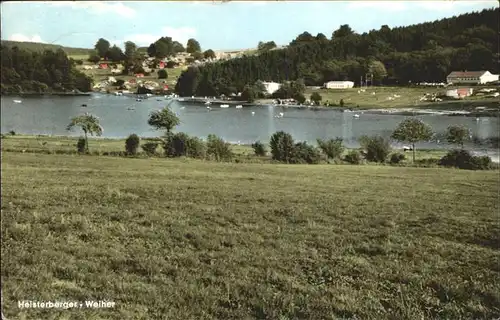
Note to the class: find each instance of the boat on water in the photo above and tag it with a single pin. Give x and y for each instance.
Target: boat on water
(224, 106)
(239, 106)
(17, 101)
(356, 116)
(208, 103)
(84, 105)
(130, 108)
(138, 99)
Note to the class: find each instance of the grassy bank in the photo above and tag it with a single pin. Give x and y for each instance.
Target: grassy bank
(54, 144)
(193, 239)
(408, 98)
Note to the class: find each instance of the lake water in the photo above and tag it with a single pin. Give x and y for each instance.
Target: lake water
(51, 115)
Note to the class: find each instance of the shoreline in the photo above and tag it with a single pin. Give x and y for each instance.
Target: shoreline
(437, 109)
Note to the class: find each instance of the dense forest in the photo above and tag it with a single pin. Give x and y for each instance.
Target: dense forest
(26, 71)
(398, 56)
(41, 47)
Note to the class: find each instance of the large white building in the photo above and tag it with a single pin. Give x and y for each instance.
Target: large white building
(339, 84)
(472, 77)
(271, 87)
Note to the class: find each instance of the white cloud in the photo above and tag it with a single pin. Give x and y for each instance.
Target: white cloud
(181, 34)
(23, 38)
(98, 7)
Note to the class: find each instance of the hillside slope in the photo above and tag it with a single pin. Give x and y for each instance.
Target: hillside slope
(424, 52)
(40, 47)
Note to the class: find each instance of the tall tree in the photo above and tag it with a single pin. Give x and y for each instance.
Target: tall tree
(193, 46)
(102, 46)
(89, 125)
(130, 50)
(412, 130)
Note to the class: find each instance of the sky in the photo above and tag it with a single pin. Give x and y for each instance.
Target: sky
(216, 25)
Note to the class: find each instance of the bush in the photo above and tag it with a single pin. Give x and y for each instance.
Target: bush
(259, 149)
(353, 157)
(150, 148)
(80, 145)
(170, 64)
(377, 148)
(332, 148)
(397, 158)
(162, 74)
(181, 144)
(282, 145)
(12, 132)
(304, 153)
(462, 159)
(218, 148)
(132, 144)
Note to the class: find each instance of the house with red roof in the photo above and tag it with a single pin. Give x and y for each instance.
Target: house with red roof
(103, 66)
(161, 65)
(472, 77)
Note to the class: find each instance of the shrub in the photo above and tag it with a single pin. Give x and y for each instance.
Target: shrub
(218, 148)
(397, 158)
(12, 132)
(150, 148)
(304, 153)
(353, 157)
(281, 144)
(132, 144)
(259, 148)
(81, 145)
(171, 64)
(162, 74)
(181, 144)
(462, 159)
(332, 148)
(377, 148)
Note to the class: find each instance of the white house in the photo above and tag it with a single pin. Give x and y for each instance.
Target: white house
(271, 87)
(475, 77)
(339, 84)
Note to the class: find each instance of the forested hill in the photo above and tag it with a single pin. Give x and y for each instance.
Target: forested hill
(416, 53)
(41, 47)
(26, 71)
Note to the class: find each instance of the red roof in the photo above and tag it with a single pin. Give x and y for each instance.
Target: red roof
(139, 75)
(165, 87)
(466, 74)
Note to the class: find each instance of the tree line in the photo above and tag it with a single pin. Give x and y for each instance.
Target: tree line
(25, 71)
(284, 149)
(425, 52)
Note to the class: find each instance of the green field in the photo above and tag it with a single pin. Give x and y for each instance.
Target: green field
(177, 239)
(158, 236)
(408, 98)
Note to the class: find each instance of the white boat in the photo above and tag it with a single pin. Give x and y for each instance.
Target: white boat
(180, 99)
(208, 102)
(182, 108)
(118, 94)
(356, 116)
(239, 106)
(138, 99)
(224, 106)
(253, 113)
(17, 101)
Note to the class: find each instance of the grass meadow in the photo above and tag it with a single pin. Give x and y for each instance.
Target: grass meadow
(408, 98)
(190, 239)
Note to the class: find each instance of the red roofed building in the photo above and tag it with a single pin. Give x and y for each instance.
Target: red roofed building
(473, 77)
(139, 75)
(165, 87)
(103, 66)
(161, 65)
